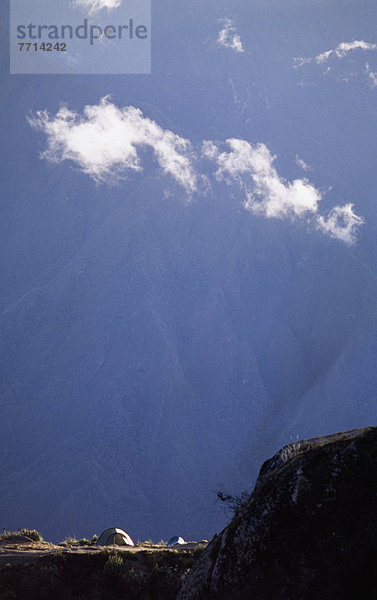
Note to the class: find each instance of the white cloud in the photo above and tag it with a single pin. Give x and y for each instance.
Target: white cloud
(300, 62)
(323, 57)
(302, 164)
(372, 76)
(94, 6)
(267, 194)
(229, 38)
(343, 49)
(373, 79)
(210, 150)
(340, 52)
(105, 142)
(341, 223)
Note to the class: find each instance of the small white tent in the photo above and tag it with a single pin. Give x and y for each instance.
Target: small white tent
(114, 536)
(175, 540)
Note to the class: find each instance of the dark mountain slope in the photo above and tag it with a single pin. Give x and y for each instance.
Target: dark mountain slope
(137, 378)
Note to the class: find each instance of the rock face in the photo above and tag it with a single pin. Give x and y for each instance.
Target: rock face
(309, 530)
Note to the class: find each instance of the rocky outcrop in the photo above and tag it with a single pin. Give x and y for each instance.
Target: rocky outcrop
(308, 531)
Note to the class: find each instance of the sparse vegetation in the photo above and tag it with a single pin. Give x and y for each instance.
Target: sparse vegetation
(86, 542)
(72, 541)
(114, 566)
(232, 504)
(31, 534)
(69, 541)
(146, 574)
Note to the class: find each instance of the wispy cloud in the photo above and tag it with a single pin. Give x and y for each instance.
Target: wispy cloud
(341, 223)
(302, 164)
(340, 52)
(343, 49)
(323, 57)
(228, 36)
(267, 194)
(105, 142)
(371, 75)
(300, 61)
(93, 6)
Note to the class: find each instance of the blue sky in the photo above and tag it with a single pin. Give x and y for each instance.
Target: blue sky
(293, 82)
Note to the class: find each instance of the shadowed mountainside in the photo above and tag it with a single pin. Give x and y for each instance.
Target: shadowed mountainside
(165, 356)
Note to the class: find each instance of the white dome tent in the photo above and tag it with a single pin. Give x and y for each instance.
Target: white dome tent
(176, 540)
(114, 537)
